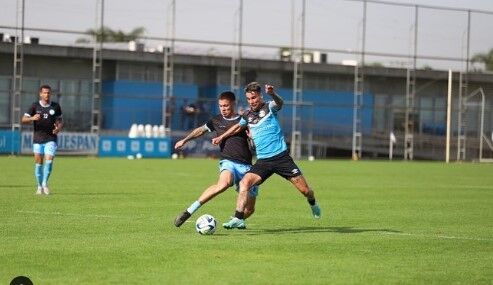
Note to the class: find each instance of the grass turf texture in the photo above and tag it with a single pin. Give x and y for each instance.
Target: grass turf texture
(110, 221)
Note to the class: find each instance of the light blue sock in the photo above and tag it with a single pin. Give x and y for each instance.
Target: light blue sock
(47, 171)
(194, 207)
(38, 173)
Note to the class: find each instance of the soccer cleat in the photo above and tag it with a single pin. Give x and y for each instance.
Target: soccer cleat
(316, 211)
(235, 223)
(182, 218)
(46, 190)
(39, 191)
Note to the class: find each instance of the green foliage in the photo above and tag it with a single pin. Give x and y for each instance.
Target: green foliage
(110, 221)
(485, 58)
(109, 35)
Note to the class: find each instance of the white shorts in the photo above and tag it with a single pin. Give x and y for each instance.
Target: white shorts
(48, 148)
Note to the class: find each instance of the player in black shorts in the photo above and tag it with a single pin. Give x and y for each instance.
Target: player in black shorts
(272, 153)
(46, 117)
(235, 157)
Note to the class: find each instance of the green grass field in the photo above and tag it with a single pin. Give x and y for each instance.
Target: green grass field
(110, 221)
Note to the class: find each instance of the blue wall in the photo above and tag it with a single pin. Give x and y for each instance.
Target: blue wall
(10, 142)
(332, 111)
(127, 102)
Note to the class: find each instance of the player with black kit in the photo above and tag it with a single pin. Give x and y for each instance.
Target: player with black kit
(46, 117)
(235, 157)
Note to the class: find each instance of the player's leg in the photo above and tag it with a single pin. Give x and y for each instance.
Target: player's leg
(240, 171)
(250, 205)
(50, 150)
(38, 166)
(300, 183)
(287, 168)
(238, 221)
(224, 182)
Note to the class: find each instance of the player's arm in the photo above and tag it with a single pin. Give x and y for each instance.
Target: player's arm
(26, 119)
(269, 89)
(233, 130)
(58, 125)
(197, 132)
(30, 116)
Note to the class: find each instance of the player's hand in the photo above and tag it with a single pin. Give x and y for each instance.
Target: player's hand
(179, 144)
(217, 141)
(57, 128)
(36, 117)
(269, 89)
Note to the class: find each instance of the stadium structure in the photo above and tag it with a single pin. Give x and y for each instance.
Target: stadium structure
(132, 93)
(354, 110)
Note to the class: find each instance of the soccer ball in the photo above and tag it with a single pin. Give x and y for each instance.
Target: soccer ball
(205, 225)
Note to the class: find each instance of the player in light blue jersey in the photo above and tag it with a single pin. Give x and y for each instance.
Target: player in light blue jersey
(272, 151)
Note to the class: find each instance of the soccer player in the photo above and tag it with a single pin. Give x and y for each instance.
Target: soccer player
(272, 153)
(235, 155)
(46, 117)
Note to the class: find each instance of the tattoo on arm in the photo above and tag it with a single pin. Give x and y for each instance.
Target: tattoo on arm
(277, 99)
(232, 131)
(195, 133)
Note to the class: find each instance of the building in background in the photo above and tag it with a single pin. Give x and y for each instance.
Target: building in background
(132, 93)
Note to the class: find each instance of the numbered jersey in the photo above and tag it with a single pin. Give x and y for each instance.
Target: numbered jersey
(43, 129)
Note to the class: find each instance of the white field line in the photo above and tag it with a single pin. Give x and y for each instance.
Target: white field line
(436, 236)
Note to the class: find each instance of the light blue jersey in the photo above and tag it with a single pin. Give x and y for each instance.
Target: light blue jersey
(265, 130)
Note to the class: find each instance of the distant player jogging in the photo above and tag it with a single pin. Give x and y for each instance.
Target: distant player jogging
(46, 117)
(235, 157)
(271, 149)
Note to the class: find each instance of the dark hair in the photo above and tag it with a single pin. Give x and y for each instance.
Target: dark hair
(253, 87)
(44, 87)
(228, 95)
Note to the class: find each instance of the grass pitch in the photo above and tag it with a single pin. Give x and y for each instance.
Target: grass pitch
(110, 221)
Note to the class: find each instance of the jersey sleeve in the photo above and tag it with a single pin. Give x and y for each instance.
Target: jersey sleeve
(273, 107)
(58, 111)
(209, 126)
(31, 111)
(243, 122)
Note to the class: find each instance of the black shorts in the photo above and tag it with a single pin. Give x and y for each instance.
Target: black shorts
(281, 164)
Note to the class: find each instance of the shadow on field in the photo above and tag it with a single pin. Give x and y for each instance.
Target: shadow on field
(304, 230)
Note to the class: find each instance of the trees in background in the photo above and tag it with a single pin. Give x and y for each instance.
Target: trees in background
(109, 35)
(485, 58)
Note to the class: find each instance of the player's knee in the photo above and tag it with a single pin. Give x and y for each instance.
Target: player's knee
(306, 191)
(221, 187)
(244, 185)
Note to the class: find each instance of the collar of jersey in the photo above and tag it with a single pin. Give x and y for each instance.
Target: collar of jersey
(262, 120)
(231, 119)
(42, 105)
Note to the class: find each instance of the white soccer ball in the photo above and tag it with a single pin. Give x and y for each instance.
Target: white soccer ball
(138, 156)
(205, 225)
(174, 156)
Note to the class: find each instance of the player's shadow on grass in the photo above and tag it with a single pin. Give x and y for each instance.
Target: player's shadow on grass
(304, 230)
